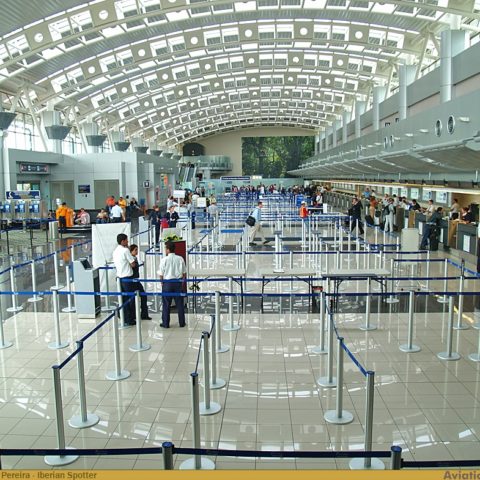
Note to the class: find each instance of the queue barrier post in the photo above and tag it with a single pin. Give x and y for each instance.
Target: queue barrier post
(167, 453)
(57, 344)
(231, 327)
(34, 297)
(368, 463)
(339, 416)
(391, 298)
(444, 298)
(3, 343)
(409, 347)
(475, 357)
(139, 346)
(14, 308)
(218, 327)
(215, 382)
(56, 269)
(449, 354)
(58, 460)
(426, 287)
(396, 458)
(107, 307)
(120, 303)
(69, 308)
(320, 349)
(197, 462)
(207, 407)
(85, 419)
(460, 325)
(118, 373)
(329, 381)
(368, 308)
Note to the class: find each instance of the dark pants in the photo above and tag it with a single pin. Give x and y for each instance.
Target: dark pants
(129, 310)
(173, 287)
(62, 223)
(354, 225)
(157, 234)
(116, 219)
(427, 230)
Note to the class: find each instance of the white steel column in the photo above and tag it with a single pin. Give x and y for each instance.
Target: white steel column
(345, 120)
(406, 75)
(452, 43)
(378, 97)
(360, 107)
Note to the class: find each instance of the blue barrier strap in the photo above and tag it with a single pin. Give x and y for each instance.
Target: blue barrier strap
(99, 326)
(67, 360)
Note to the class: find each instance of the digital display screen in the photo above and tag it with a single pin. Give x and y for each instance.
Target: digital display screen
(85, 263)
(33, 168)
(84, 189)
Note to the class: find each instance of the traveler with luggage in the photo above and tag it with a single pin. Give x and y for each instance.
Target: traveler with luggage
(431, 230)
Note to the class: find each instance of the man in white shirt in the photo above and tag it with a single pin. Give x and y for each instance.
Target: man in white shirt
(116, 213)
(173, 273)
(257, 228)
(124, 261)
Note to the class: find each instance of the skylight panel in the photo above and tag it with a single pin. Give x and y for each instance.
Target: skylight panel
(245, 6)
(177, 16)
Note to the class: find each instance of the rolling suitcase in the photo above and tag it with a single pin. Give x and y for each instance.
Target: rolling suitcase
(434, 239)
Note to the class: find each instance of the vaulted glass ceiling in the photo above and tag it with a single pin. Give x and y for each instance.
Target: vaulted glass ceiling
(176, 70)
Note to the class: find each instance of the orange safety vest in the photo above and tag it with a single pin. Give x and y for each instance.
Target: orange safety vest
(303, 212)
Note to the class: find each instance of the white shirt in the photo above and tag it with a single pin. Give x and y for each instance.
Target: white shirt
(122, 258)
(430, 209)
(116, 211)
(171, 203)
(172, 267)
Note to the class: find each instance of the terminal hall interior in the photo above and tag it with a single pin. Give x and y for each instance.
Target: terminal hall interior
(166, 303)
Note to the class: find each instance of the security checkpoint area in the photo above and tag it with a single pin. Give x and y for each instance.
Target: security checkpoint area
(320, 349)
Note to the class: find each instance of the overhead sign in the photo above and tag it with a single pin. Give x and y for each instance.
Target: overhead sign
(33, 168)
(236, 179)
(22, 194)
(179, 193)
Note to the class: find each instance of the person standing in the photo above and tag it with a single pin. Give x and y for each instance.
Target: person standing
(61, 214)
(432, 224)
(136, 274)
(124, 263)
(122, 203)
(116, 213)
(455, 209)
(155, 217)
(257, 228)
(356, 214)
(173, 273)
(389, 216)
(172, 217)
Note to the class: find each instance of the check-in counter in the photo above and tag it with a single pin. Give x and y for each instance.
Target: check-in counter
(420, 220)
(467, 237)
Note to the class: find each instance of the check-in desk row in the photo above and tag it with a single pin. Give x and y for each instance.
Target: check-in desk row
(460, 236)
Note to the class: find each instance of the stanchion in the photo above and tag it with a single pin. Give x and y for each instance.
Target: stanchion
(56, 267)
(196, 462)
(460, 325)
(107, 307)
(329, 381)
(231, 327)
(321, 350)
(3, 343)
(426, 287)
(14, 308)
(368, 463)
(58, 460)
(118, 373)
(57, 344)
(444, 298)
(34, 297)
(120, 303)
(391, 298)
(476, 356)
(449, 355)
(167, 453)
(207, 407)
(218, 327)
(216, 382)
(69, 308)
(85, 419)
(409, 347)
(368, 307)
(139, 346)
(396, 458)
(339, 416)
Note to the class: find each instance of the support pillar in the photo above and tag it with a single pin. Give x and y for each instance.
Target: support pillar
(378, 97)
(451, 44)
(406, 75)
(360, 107)
(345, 121)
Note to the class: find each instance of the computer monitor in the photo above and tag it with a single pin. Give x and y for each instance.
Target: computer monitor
(85, 263)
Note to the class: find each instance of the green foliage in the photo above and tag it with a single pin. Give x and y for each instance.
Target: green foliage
(273, 157)
(172, 238)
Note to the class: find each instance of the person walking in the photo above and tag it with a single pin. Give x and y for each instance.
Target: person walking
(173, 273)
(257, 228)
(389, 215)
(124, 263)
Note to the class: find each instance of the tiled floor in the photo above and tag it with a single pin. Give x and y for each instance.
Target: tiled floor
(272, 401)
